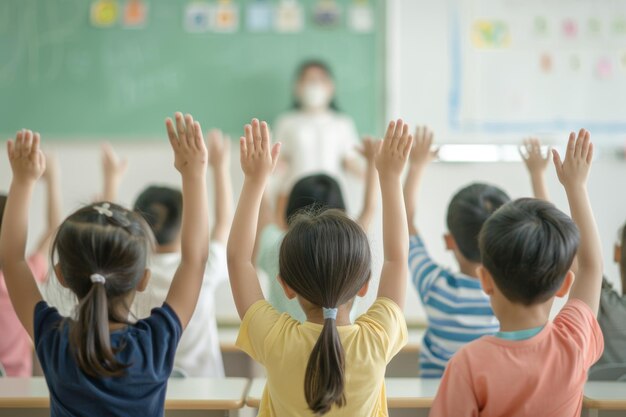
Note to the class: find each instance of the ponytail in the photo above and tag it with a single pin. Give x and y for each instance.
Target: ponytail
(90, 337)
(324, 380)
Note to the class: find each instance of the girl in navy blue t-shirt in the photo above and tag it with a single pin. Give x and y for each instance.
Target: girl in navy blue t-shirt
(98, 362)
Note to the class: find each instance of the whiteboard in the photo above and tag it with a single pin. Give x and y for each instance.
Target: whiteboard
(494, 71)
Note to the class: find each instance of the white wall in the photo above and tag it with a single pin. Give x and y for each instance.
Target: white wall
(417, 91)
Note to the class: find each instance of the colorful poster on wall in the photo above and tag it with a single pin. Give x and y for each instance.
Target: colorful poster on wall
(198, 17)
(104, 13)
(226, 17)
(327, 13)
(289, 17)
(259, 16)
(361, 16)
(135, 14)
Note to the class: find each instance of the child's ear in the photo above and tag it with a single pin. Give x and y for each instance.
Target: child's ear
(450, 242)
(363, 291)
(486, 280)
(617, 253)
(566, 285)
(143, 282)
(59, 274)
(291, 294)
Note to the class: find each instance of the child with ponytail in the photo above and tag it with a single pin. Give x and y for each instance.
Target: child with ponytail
(326, 365)
(98, 362)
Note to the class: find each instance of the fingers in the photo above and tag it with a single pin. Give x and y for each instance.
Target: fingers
(571, 146)
(275, 154)
(265, 136)
(180, 128)
(171, 133)
(406, 145)
(249, 139)
(558, 164)
(243, 149)
(35, 147)
(256, 134)
(389, 133)
(27, 141)
(590, 154)
(198, 137)
(11, 149)
(584, 149)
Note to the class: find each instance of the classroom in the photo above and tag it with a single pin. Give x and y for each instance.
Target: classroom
(298, 208)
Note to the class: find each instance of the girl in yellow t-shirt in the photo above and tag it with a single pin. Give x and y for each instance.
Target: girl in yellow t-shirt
(326, 365)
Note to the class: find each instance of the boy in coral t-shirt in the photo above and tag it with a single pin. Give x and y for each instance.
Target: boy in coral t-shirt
(534, 366)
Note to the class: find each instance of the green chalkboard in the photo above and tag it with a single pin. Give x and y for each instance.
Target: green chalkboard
(70, 80)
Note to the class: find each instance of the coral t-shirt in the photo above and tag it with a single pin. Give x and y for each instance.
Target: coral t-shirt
(16, 348)
(541, 376)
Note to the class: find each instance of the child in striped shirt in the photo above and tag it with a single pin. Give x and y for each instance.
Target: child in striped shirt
(457, 309)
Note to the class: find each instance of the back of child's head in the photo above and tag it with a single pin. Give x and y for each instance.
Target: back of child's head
(320, 191)
(325, 258)
(528, 247)
(467, 212)
(102, 251)
(162, 207)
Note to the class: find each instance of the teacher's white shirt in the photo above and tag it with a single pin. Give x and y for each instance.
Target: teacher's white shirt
(314, 143)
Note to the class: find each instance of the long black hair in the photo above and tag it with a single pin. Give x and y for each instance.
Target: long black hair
(112, 244)
(325, 257)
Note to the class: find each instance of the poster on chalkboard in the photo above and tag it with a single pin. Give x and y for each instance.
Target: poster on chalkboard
(104, 13)
(135, 14)
(259, 16)
(226, 17)
(198, 17)
(289, 17)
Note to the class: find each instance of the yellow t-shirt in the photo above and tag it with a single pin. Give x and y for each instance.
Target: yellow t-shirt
(283, 346)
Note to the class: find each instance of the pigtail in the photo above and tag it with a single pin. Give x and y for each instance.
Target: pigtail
(89, 334)
(324, 380)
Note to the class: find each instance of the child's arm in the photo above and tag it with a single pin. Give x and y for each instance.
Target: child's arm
(53, 202)
(113, 170)
(573, 173)
(536, 165)
(219, 159)
(421, 156)
(390, 162)
(258, 160)
(28, 163)
(369, 149)
(191, 160)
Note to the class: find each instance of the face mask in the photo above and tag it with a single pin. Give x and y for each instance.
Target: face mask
(315, 96)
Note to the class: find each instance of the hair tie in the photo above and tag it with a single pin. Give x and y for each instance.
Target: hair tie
(97, 278)
(330, 313)
(104, 209)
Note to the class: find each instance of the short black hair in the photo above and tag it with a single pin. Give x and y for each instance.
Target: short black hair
(528, 246)
(319, 191)
(162, 207)
(467, 212)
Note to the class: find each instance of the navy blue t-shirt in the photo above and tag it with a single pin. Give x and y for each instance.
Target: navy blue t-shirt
(149, 346)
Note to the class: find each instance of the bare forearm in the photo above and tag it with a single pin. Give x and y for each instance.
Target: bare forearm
(395, 238)
(223, 204)
(411, 194)
(369, 199)
(111, 187)
(540, 188)
(195, 222)
(15, 223)
(589, 255)
(243, 231)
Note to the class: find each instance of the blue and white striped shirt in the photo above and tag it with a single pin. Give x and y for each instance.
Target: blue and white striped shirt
(457, 309)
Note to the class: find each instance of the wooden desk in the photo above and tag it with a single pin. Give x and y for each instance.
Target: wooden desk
(604, 398)
(413, 393)
(185, 397)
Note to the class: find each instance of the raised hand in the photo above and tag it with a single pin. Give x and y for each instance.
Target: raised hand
(28, 162)
(258, 156)
(369, 148)
(219, 149)
(421, 152)
(113, 167)
(533, 158)
(573, 171)
(190, 152)
(394, 150)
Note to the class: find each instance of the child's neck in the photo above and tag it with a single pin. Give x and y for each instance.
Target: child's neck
(315, 315)
(515, 317)
(469, 268)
